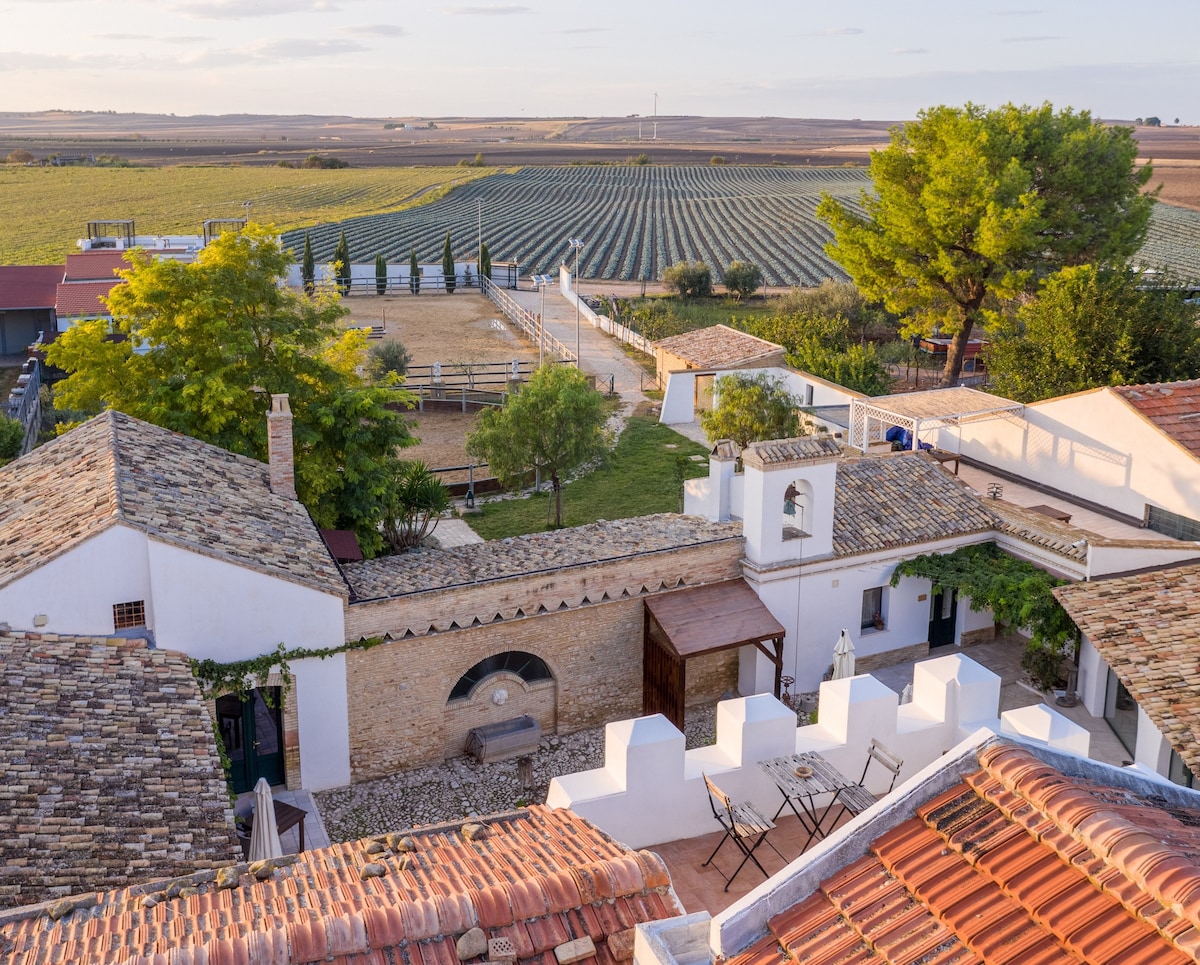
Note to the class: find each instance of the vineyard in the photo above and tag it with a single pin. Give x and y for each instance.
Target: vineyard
(44, 210)
(637, 220)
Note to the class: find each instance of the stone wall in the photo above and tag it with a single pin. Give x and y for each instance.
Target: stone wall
(889, 658)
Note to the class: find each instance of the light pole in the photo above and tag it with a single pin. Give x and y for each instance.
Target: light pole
(479, 249)
(577, 244)
(542, 281)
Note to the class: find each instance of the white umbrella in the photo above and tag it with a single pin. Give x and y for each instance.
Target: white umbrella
(843, 657)
(264, 839)
(906, 694)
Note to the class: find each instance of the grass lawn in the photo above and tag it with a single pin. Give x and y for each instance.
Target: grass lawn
(641, 478)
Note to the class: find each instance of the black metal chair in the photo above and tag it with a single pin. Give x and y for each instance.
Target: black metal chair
(856, 799)
(743, 825)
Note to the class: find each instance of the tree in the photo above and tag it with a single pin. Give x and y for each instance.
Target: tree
(380, 274)
(692, 280)
(448, 265)
(19, 156)
(415, 503)
(388, 358)
(1152, 122)
(414, 273)
(554, 425)
(971, 207)
(832, 299)
(208, 342)
(1093, 326)
(743, 279)
(341, 264)
(12, 435)
(751, 408)
(485, 263)
(308, 268)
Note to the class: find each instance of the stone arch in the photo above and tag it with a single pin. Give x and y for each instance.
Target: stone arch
(506, 684)
(797, 509)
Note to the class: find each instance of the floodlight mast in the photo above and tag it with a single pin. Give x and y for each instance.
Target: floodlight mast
(542, 281)
(577, 244)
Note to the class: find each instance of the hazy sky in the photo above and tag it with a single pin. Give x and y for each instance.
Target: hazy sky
(869, 59)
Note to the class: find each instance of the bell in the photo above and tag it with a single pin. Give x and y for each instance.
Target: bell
(789, 508)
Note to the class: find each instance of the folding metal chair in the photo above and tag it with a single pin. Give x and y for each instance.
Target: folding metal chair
(743, 825)
(856, 799)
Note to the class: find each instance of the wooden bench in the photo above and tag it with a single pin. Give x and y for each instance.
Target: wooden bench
(504, 739)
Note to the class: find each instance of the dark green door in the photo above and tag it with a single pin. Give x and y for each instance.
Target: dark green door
(943, 617)
(252, 731)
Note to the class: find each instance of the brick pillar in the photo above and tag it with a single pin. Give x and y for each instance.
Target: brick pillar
(280, 456)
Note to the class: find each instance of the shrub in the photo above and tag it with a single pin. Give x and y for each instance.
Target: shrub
(743, 279)
(389, 356)
(690, 280)
(12, 434)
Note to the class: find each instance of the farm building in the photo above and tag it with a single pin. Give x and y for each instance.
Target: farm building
(27, 298)
(718, 348)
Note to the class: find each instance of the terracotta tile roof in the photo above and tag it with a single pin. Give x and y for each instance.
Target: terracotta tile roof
(1145, 627)
(28, 286)
(520, 555)
(536, 878)
(1037, 529)
(1018, 863)
(115, 469)
(718, 346)
(782, 452)
(941, 403)
(83, 297)
(109, 772)
(1174, 407)
(888, 501)
(94, 265)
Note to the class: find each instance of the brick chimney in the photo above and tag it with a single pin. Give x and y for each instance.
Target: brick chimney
(281, 459)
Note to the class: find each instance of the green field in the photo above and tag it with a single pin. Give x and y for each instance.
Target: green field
(43, 211)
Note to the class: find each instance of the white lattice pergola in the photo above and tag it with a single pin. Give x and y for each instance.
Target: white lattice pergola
(934, 409)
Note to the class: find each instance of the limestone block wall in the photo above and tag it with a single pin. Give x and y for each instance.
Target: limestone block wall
(500, 697)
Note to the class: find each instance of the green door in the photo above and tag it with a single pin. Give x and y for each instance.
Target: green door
(943, 616)
(252, 731)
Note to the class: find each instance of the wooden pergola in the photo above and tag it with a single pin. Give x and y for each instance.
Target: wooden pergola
(694, 622)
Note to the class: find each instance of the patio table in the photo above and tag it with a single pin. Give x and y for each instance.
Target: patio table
(824, 779)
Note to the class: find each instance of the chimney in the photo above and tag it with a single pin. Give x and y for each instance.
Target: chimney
(281, 459)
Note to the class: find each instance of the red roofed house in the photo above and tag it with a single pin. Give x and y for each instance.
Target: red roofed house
(88, 279)
(27, 300)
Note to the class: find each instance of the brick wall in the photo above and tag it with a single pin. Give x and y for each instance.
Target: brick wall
(398, 692)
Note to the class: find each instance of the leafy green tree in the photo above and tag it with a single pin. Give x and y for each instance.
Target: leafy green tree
(485, 263)
(553, 426)
(388, 358)
(308, 268)
(689, 280)
(448, 265)
(743, 279)
(414, 273)
(380, 274)
(842, 298)
(12, 435)
(209, 342)
(1152, 121)
(415, 503)
(971, 207)
(856, 367)
(341, 264)
(1090, 327)
(751, 408)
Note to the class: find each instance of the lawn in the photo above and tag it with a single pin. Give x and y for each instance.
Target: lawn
(643, 477)
(44, 210)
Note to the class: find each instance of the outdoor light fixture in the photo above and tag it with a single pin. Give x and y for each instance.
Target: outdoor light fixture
(577, 244)
(542, 281)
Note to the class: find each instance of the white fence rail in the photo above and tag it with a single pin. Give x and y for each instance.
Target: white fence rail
(527, 322)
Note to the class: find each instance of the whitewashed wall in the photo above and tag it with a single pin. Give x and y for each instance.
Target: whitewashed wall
(678, 400)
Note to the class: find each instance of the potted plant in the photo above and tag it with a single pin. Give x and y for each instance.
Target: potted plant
(877, 619)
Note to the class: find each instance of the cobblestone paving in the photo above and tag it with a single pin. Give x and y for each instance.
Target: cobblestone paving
(461, 787)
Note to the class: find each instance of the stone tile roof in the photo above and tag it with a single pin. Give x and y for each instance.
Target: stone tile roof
(1174, 407)
(900, 500)
(526, 883)
(117, 470)
(1145, 626)
(782, 452)
(521, 555)
(718, 346)
(28, 286)
(109, 771)
(1062, 539)
(946, 403)
(1017, 863)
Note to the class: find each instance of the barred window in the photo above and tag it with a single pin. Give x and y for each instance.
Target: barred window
(131, 614)
(1172, 524)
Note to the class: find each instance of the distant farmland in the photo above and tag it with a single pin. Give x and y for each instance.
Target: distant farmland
(637, 220)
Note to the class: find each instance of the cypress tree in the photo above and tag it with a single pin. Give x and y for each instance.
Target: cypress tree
(448, 265)
(380, 274)
(485, 264)
(308, 268)
(414, 273)
(341, 259)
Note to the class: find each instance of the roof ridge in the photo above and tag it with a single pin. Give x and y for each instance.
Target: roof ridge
(114, 455)
(1169, 876)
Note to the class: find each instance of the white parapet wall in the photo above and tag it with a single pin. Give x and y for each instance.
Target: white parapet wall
(651, 789)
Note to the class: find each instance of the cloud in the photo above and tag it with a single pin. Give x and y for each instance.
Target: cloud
(300, 48)
(910, 50)
(240, 10)
(507, 10)
(1030, 39)
(181, 39)
(837, 32)
(375, 30)
(585, 30)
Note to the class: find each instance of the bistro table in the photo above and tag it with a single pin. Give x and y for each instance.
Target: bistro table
(287, 816)
(821, 778)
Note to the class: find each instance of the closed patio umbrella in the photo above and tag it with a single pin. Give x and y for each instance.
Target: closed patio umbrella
(264, 838)
(843, 657)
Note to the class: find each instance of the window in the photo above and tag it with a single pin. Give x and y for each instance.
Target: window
(525, 665)
(126, 615)
(872, 609)
(1172, 524)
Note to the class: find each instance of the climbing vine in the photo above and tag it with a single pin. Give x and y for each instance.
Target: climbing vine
(241, 676)
(1017, 592)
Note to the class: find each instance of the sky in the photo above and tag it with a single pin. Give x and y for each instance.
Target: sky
(870, 59)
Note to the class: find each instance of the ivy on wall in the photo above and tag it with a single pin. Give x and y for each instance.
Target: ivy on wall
(241, 676)
(1017, 592)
